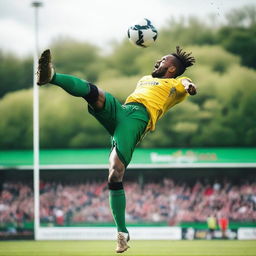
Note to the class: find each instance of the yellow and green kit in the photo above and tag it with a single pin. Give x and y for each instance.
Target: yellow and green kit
(142, 109)
(127, 123)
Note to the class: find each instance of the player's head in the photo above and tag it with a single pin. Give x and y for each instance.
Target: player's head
(173, 65)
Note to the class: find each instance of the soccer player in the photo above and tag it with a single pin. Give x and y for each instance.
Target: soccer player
(153, 97)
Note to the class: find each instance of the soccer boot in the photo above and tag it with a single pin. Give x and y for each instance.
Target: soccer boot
(45, 71)
(122, 240)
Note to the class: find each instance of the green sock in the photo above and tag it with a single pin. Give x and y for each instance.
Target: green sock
(71, 84)
(117, 204)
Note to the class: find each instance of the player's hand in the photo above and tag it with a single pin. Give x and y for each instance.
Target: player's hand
(191, 89)
(189, 86)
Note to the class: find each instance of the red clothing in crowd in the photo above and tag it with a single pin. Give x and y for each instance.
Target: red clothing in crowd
(223, 223)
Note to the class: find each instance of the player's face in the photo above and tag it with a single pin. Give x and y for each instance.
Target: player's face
(162, 65)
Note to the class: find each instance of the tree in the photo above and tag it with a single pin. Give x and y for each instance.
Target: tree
(16, 124)
(239, 35)
(222, 114)
(15, 73)
(77, 58)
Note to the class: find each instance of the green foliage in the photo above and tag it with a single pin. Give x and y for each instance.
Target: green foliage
(16, 124)
(185, 32)
(222, 114)
(240, 41)
(15, 73)
(215, 58)
(70, 56)
(239, 36)
(122, 58)
(119, 87)
(145, 61)
(245, 16)
(65, 122)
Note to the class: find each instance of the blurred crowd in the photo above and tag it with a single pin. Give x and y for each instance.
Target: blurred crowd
(166, 201)
(16, 203)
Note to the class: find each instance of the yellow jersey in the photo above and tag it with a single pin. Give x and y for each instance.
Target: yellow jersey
(158, 95)
(212, 223)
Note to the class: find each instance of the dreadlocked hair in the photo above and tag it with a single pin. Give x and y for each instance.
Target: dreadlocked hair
(184, 60)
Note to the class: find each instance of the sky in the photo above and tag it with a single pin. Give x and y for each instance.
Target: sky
(97, 21)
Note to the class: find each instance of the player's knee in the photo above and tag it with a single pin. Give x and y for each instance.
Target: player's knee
(93, 95)
(96, 97)
(116, 174)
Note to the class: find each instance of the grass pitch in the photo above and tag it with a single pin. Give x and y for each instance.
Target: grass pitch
(138, 248)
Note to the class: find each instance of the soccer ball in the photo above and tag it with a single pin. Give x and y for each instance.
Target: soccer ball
(143, 34)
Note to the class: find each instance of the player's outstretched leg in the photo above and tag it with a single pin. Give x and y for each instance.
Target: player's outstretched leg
(73, 85)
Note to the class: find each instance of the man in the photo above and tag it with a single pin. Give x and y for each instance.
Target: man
(223, 224)
(153, 96)
(212, 225)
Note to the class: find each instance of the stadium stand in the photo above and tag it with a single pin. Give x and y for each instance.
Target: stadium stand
(168, 201)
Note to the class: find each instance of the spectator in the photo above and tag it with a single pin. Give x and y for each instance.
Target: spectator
(169, 201)
(212, 225)
(223, 224)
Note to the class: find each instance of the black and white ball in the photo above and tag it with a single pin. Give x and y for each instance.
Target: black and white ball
(143, 33)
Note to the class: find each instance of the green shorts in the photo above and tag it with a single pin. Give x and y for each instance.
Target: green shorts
(125, 123)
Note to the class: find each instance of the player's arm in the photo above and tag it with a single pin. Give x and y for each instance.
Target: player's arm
(189, 86)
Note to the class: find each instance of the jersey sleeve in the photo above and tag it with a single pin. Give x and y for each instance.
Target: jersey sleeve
(180, 87)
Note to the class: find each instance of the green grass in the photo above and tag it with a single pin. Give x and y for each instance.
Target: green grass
(138, 248)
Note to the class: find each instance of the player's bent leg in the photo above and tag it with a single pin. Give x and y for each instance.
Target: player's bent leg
(116, 168)
(117, 200)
